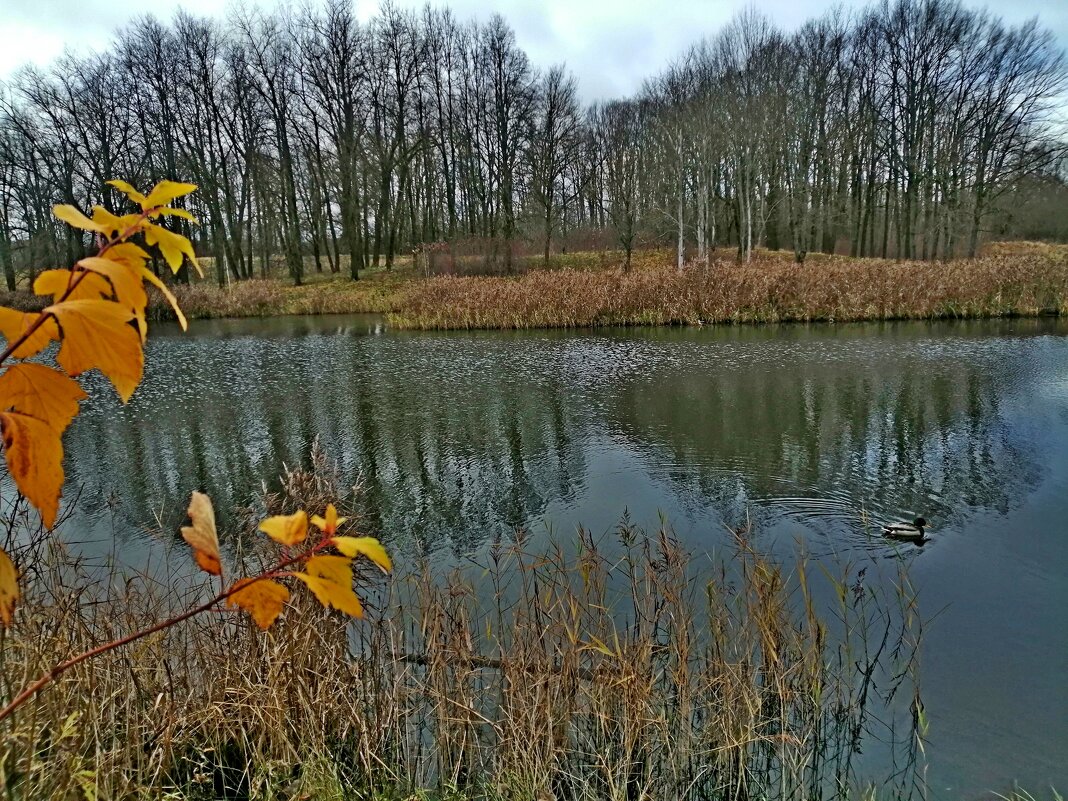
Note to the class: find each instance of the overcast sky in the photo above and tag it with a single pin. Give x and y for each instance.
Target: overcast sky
(611, 46)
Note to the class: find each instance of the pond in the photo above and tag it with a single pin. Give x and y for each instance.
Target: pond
(813, 434)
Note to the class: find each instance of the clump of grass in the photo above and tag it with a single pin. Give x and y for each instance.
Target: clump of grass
(1007, 282)
(590, 288)
(260, 297)
(605, 669)
(269, 297)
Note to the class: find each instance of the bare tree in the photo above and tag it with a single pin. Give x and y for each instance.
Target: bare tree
(618, 127)
(554, 146)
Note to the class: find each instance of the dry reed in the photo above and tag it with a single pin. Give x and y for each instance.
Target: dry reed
(604, 670)
(589, 289)
(1018, 281)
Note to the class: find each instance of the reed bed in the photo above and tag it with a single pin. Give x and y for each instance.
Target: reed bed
(607, 668)
(257, 297)
(589, 289)
(268, 297)
(1017, 281)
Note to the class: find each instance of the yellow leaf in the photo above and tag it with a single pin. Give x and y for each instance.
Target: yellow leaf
(173, 246)
(286, 529)
(261, 598)
(34, 456)
(330, 594)
(330, 578)
(329, 524)
(129, 290)
(134, 257)
(166, 191)
(597, 645)
(127, 253)
(128, 190)
(74, 218)
(128, 287)
(151, 277)
(41, 392)
(185, 215)
(127, 224)
(337, 569)
(366, 546)
(96, 334)
(9, 588)
(202, 536)
(57, 282)
(14, 323)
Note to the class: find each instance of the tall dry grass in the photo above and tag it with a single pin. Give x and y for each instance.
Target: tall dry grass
(268, 297)
(1016, 281)
(605, 669)
(584, 289)
(257, 297)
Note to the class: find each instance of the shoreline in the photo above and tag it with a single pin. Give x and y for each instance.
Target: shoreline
(585, 290)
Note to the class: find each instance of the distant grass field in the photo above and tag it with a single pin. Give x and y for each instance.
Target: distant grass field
(591, 289)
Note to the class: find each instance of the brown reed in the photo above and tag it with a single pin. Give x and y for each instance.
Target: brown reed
(610, 668)
(1021, 281)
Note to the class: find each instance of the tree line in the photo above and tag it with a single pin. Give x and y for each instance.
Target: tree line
(323, 143)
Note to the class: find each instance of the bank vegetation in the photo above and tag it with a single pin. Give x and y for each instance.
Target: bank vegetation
(614, 667)
(589, 289)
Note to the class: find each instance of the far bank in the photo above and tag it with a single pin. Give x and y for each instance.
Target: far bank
(1019, 279)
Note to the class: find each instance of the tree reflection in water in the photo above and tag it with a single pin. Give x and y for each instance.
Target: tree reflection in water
(461, 437)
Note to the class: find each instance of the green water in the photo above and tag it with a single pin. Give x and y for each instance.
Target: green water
(807, 431)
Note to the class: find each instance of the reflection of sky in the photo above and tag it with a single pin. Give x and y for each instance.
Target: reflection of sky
(997, 654)
(814, 434)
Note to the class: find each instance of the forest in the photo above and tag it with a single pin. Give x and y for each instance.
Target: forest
(914, 129)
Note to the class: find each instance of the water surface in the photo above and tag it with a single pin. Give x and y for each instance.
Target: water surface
(811, 433)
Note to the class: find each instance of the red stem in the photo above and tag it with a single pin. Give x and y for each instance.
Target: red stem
(62, 667)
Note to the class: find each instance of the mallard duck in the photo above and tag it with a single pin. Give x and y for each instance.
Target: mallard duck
(910, 532)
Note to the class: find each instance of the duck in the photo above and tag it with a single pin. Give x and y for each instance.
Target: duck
(909, 532)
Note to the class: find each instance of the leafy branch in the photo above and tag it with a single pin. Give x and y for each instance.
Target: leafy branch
(328, 575)
(97, 315)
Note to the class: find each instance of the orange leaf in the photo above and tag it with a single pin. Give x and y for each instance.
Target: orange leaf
(57, 282)
(14, 323)
(74, 218)
(330, 578)
(261, 598)
(34, 456)
(329, 524)
(173, 246)
(286, 529)
(202, 536)
(41, 392)
(9, 588)
(367, 546)
(96, 334)
(166, 191)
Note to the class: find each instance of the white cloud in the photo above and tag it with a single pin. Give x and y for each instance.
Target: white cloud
(38, 31)
(611, 46)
